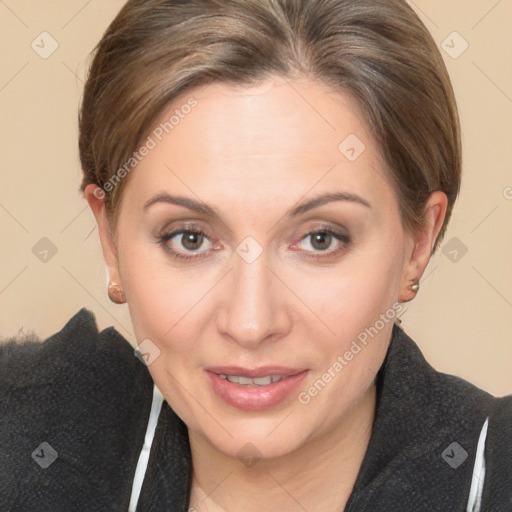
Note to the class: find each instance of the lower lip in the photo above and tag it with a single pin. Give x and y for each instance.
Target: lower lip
(255, 398)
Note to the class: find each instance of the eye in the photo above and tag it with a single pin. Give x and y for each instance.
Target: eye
(321, 240)
(190, 239)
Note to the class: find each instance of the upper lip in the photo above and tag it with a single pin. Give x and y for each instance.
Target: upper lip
(254, 373)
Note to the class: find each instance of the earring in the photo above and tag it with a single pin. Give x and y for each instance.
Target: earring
(115, 293)
(415, 286)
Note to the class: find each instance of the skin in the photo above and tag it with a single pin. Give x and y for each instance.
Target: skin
(254, 153)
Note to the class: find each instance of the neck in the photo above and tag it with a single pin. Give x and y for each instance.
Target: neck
(319, 476)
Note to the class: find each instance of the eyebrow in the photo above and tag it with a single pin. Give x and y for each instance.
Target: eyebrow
(211, 211)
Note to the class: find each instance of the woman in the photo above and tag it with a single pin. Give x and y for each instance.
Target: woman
(269, 180)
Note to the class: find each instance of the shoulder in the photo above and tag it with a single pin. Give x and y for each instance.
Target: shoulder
(498, 457)
(77, 361)
(78, 339)
(79, 400)
(448, 395)
(451, 400)
(458, 411)
(426, 437)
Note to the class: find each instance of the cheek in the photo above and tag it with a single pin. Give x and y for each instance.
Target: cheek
(358, 302)
(160, 304)
(354, 294)
(361, 310)
(158, 296)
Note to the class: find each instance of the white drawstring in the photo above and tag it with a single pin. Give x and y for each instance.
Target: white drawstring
(477, 483)
(142, 463)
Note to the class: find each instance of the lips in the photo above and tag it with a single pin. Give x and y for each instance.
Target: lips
(254, 389)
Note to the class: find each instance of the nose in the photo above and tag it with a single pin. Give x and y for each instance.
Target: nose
(254, 309)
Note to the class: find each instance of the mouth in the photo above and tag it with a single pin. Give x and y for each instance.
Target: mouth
(255, 389)
(247, 381)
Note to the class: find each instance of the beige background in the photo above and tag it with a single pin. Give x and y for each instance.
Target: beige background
(462, 317)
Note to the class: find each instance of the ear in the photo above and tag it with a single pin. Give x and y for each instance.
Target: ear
(422, 244)
(95, 197)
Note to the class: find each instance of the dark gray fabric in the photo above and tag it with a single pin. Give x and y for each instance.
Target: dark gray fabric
(420, 413)
(86, 395)
(497, 495)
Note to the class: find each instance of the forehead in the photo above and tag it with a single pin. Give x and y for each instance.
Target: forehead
(282, 135)
(270, 119)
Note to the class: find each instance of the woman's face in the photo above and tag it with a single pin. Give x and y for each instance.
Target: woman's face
(262, 281)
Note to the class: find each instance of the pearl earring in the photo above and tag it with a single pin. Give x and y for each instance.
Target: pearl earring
(116, 294)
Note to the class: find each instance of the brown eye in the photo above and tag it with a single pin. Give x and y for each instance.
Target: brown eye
(321, 242)
(182, 241)
(192, 241)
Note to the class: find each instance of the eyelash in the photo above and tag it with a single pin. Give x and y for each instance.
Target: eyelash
(163, 239)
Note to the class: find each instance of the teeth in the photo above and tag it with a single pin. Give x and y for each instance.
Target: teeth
(263, 381)
(258, 381)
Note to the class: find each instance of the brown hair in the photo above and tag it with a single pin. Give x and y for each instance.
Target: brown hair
(377, 50)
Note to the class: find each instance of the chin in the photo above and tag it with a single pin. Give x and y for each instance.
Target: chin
(256, 445)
